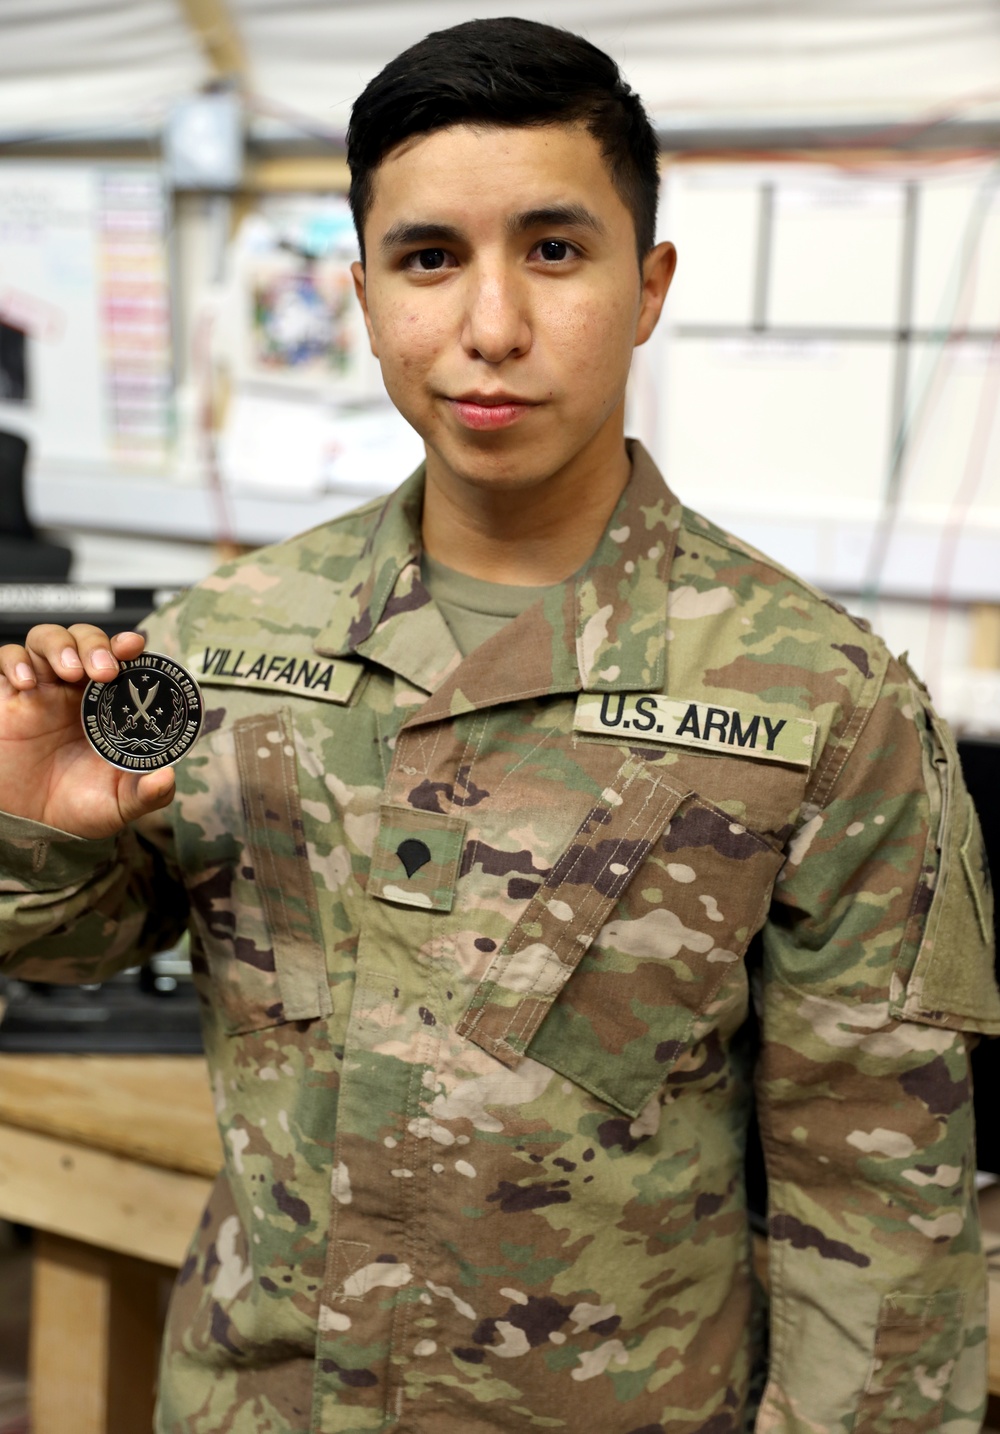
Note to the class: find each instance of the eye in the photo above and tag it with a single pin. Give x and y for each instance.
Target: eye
(427, 260)
(553, 251)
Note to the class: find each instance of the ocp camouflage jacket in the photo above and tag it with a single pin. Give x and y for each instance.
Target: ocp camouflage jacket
(477, 942)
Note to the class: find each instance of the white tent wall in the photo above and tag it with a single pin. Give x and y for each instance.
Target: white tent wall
(69, 65)
(721, 59)
(793, 446)
(74, 62)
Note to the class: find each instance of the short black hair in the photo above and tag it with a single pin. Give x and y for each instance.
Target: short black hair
(506, 72)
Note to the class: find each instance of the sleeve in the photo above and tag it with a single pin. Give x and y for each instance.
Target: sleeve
(877, 969)
(74, 910)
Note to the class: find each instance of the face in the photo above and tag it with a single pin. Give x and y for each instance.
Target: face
(503, 298)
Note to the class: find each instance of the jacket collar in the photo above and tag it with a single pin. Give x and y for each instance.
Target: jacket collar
(604, 630)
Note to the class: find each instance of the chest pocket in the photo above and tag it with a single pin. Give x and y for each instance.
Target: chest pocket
(628, 941)
(256, 913)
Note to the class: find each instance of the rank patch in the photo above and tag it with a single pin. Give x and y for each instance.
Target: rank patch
(293, 674)
(416, 858)
(744, 732)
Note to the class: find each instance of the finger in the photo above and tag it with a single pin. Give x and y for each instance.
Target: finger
(52, 653)
(125, 645)
(138, 795)
(15, 666)
(94, 647)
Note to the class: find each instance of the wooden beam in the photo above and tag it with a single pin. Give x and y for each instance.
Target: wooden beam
(98, 1199)
(218, 36)
(95, 1334)
(289, 173)
(153, 1109)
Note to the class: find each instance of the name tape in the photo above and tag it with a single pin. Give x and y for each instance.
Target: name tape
(697, 724)
(320, 678)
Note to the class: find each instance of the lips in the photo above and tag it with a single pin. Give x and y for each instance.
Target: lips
(485, 413)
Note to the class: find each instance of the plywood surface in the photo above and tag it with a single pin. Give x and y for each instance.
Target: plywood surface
(100, 1199)
(154, 1109)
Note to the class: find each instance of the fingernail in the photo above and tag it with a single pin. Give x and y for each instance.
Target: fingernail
(103, 659)
(70, 657)
(24, 673)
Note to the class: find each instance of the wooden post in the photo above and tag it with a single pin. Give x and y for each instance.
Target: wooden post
(95, 1335)
(985, 637)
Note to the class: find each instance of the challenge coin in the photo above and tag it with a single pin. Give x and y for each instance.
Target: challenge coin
(145, 718)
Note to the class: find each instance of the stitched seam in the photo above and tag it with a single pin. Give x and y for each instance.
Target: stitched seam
(519, 764)
(480, 725)
(588, 935)
(310, 949)
(821, 789)
(517, 940)
(250, 736)
(248, 764)
(397, 1329)
(521, 1014)
(514, 940)
(380, 744)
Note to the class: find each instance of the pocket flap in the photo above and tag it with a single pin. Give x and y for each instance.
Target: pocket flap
(265, 754)
(567, 911)
(952, 980)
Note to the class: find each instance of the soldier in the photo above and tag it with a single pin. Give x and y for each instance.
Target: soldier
(518, 791)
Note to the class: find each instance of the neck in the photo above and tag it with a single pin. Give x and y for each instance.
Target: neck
(527, 534)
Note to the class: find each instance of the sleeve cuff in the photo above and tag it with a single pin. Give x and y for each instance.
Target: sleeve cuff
(36, 857)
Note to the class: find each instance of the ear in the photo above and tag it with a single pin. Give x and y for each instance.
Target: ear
(657, 272)
(358, 275)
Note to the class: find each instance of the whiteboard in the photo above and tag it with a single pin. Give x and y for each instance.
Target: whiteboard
(818, 322)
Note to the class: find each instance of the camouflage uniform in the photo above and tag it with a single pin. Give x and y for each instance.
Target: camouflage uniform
(475, 945)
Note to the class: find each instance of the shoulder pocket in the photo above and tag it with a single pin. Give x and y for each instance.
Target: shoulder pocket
(256, 913)
(628, 944)
(951, 981)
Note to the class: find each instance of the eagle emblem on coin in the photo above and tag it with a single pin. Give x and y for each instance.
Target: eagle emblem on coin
(146, 717)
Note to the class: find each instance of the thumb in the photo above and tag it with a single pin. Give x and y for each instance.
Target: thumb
(138, 795)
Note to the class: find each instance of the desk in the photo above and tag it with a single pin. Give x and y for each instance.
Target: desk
(110, 1159)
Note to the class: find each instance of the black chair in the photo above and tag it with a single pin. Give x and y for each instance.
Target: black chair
(23, 554)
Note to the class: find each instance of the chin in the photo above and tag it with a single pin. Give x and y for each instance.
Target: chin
(505, 469)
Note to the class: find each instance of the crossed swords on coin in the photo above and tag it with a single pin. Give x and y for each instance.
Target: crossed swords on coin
(142, 708)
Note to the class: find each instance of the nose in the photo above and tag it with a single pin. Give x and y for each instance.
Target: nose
(496, 325)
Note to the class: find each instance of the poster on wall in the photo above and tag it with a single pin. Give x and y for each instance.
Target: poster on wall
(85, 357)
(308, 412)
(299, 325)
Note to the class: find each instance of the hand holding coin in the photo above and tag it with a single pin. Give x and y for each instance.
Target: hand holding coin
(49, 769)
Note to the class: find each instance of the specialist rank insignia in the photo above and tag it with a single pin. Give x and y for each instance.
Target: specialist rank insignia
(146, 717)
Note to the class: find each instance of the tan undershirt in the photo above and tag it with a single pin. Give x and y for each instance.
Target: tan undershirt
(473, 609)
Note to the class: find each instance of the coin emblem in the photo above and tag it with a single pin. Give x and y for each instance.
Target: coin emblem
(146, 717)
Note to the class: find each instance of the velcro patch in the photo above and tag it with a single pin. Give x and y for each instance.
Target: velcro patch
(416, 858)
(743, 732)
(288, 673)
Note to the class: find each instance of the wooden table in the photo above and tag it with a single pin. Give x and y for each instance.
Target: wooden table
(110, 1159)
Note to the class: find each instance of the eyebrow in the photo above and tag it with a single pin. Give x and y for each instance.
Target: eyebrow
(403, 233)
(559, 216)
